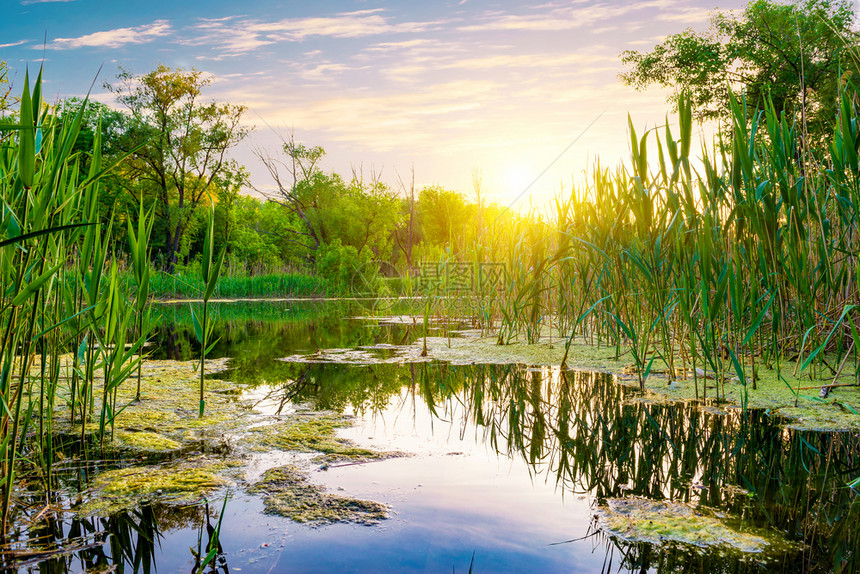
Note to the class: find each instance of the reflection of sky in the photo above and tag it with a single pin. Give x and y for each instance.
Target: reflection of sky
(453, 497)
(450, 87)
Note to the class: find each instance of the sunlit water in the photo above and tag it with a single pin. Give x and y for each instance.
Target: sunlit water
(505, 467)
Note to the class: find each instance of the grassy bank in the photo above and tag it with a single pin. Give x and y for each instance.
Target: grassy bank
(189, 286)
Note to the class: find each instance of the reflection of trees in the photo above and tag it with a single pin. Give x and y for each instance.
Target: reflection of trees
(586, 431)
(255, 334)
(579, 427)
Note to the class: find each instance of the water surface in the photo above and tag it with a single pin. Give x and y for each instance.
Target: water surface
(507, 466)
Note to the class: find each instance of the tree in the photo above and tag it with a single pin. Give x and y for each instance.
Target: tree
(360, 214)
(444, 216)
(6, 98)
(181, 144)
(302, 173)
(795, 55)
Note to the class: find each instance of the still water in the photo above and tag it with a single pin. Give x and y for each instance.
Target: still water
(506, 466)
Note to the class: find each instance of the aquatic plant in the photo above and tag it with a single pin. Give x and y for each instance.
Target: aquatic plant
(60, 291)
(718, 267)
(209, 272)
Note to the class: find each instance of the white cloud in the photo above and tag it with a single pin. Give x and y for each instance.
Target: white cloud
(237, 35)
(553, 17)
(28, 2)
(18, 43)
(115, 38)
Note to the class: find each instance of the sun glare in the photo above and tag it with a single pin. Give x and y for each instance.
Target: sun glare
(517, 178)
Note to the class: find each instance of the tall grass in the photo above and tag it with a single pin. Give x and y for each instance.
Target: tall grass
(61, 295)
(713, 266)
(296, 284)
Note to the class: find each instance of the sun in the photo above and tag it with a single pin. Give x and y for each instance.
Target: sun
(518, 178)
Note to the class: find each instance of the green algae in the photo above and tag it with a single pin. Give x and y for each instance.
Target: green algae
(165, 418)
(146, 442)
(165, 421)
(288, 492)
(125, 488)
(637, 519)
(317, 433)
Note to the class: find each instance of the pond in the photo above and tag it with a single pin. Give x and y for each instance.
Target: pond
(484, 468)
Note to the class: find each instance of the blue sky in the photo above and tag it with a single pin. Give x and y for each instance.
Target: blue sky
(452, 88)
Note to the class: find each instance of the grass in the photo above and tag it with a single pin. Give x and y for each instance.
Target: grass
(745, 262)
(166, 286)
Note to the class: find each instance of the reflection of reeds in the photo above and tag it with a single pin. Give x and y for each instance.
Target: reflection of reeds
(594, 437)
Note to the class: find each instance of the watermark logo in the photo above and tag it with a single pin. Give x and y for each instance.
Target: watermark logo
(455, 277)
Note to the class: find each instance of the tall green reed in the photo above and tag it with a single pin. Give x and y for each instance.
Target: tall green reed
(53, 255)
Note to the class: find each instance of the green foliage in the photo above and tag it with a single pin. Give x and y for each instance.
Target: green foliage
(258, 235)
(443, 216)
(792, 55)
(178, 146)
(358, 214)
(346, 269)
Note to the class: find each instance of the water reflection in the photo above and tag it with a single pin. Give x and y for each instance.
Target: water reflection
(593, 436)
(590, 437)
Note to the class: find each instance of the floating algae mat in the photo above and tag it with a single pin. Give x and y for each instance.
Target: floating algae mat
(288, 492)
(130, 487)
(156, 426)
(315, 433)
(637, 519)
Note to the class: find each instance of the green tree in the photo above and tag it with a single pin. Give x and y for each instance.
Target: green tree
(260, 235)
(181, 145)
(444, 216)
(6, 98)
(793, 54)
(296, 175)
(359, 214)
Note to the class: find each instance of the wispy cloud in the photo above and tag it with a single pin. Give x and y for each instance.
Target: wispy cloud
(238, 35)
(687, 16)
(18, 43)
(115, 38)
(28, 2)
(554, 17)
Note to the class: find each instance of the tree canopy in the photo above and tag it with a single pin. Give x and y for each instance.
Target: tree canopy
(179, 145)
(793, 54)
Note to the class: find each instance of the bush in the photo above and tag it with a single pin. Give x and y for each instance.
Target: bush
(346, 269)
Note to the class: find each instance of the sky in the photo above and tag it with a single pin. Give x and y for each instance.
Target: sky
(522, 95)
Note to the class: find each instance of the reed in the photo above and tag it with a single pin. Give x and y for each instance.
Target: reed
(712, 267)
(210, 270)
(61, 294)
(295, 284)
